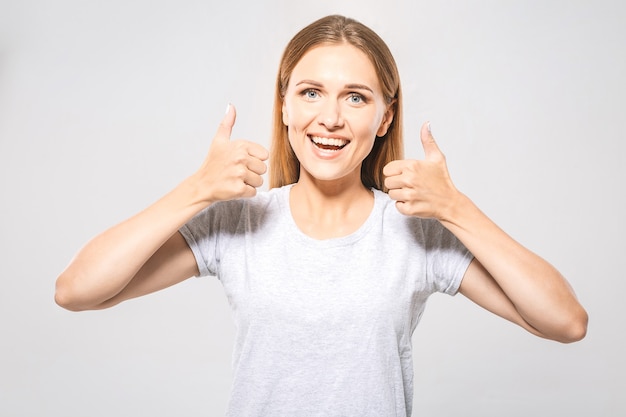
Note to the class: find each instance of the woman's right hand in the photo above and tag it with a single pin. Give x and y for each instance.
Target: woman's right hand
(232, 169)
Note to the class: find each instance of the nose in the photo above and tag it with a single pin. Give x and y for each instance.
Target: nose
(330, 115)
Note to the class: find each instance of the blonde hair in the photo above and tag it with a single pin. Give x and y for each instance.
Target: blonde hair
(284, 166)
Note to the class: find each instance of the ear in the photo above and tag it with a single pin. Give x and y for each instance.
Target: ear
(386, 122)
(285, 116)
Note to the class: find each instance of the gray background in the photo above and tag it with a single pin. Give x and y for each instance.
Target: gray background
(105, 106)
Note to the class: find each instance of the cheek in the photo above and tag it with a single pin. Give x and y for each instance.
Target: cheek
(291, 131)
(370, 126)
(294, 130)
(295, 136)
(300, 118)
(364, 120)
(377, 123)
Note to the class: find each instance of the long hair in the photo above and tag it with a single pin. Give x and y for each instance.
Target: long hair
(335, 29)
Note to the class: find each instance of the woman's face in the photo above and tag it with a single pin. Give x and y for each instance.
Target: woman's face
(334, 108)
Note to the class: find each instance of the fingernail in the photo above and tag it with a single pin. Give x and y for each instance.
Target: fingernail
(227, 108)
(428, 126)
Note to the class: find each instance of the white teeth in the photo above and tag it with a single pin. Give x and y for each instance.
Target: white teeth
(329, 141)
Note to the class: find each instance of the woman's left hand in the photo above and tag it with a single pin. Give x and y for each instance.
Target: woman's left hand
(505, 277)
(422, 188)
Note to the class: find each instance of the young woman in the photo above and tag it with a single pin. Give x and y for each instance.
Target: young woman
(328, 272)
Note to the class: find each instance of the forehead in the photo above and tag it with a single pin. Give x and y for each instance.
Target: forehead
(340, 63)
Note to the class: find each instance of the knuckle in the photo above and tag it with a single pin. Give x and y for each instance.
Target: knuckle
(240, 172)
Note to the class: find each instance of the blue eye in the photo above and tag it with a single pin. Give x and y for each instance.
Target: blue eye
(310, 94)
(356, 98)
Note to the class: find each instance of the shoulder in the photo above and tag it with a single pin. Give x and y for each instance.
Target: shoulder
(396, 222)
(266, 205)
(385, 208)
(273, 199)
(261, 200)
(232, 215)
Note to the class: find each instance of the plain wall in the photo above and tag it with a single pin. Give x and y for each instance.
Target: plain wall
(105, 106)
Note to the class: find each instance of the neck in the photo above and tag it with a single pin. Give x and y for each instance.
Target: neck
(326, 209)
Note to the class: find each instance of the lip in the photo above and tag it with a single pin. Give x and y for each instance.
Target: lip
(334, 145)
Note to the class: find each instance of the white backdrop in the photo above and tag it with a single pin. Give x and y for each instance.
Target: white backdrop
(105, 106)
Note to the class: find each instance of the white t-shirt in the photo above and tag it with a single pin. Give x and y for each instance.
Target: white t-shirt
(323, 326)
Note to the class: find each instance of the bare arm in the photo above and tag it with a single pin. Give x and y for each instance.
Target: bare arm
(513, 282)
(145, 248)
(505, 277)
(146, 253)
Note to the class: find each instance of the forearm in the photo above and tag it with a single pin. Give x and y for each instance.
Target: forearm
(106, 264)
(540, 294)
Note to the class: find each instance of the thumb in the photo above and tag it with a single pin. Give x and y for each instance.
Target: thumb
(431, 150)
(225, 128)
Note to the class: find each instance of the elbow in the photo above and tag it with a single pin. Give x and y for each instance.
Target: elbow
(566, 328)
(576, 328)
(67, 296)
(579, 331)
(64, 298)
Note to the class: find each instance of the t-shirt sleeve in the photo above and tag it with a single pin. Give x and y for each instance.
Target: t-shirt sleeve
(197, 234)
(447, 258)
(205, 234)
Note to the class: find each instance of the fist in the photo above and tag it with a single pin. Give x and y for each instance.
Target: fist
(421, 188)
(232, 169)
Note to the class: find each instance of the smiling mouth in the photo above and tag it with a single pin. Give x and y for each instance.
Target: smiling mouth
(329, 144)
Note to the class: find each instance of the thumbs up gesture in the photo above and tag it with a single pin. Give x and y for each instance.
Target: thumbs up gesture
(422, 188)
(232, 169)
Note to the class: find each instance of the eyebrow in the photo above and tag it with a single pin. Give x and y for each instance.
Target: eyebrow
(347, 86)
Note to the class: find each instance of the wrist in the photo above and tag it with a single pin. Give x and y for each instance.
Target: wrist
(196, 191)
(457, 208)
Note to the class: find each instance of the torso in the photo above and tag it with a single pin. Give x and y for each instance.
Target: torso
(323, 326)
